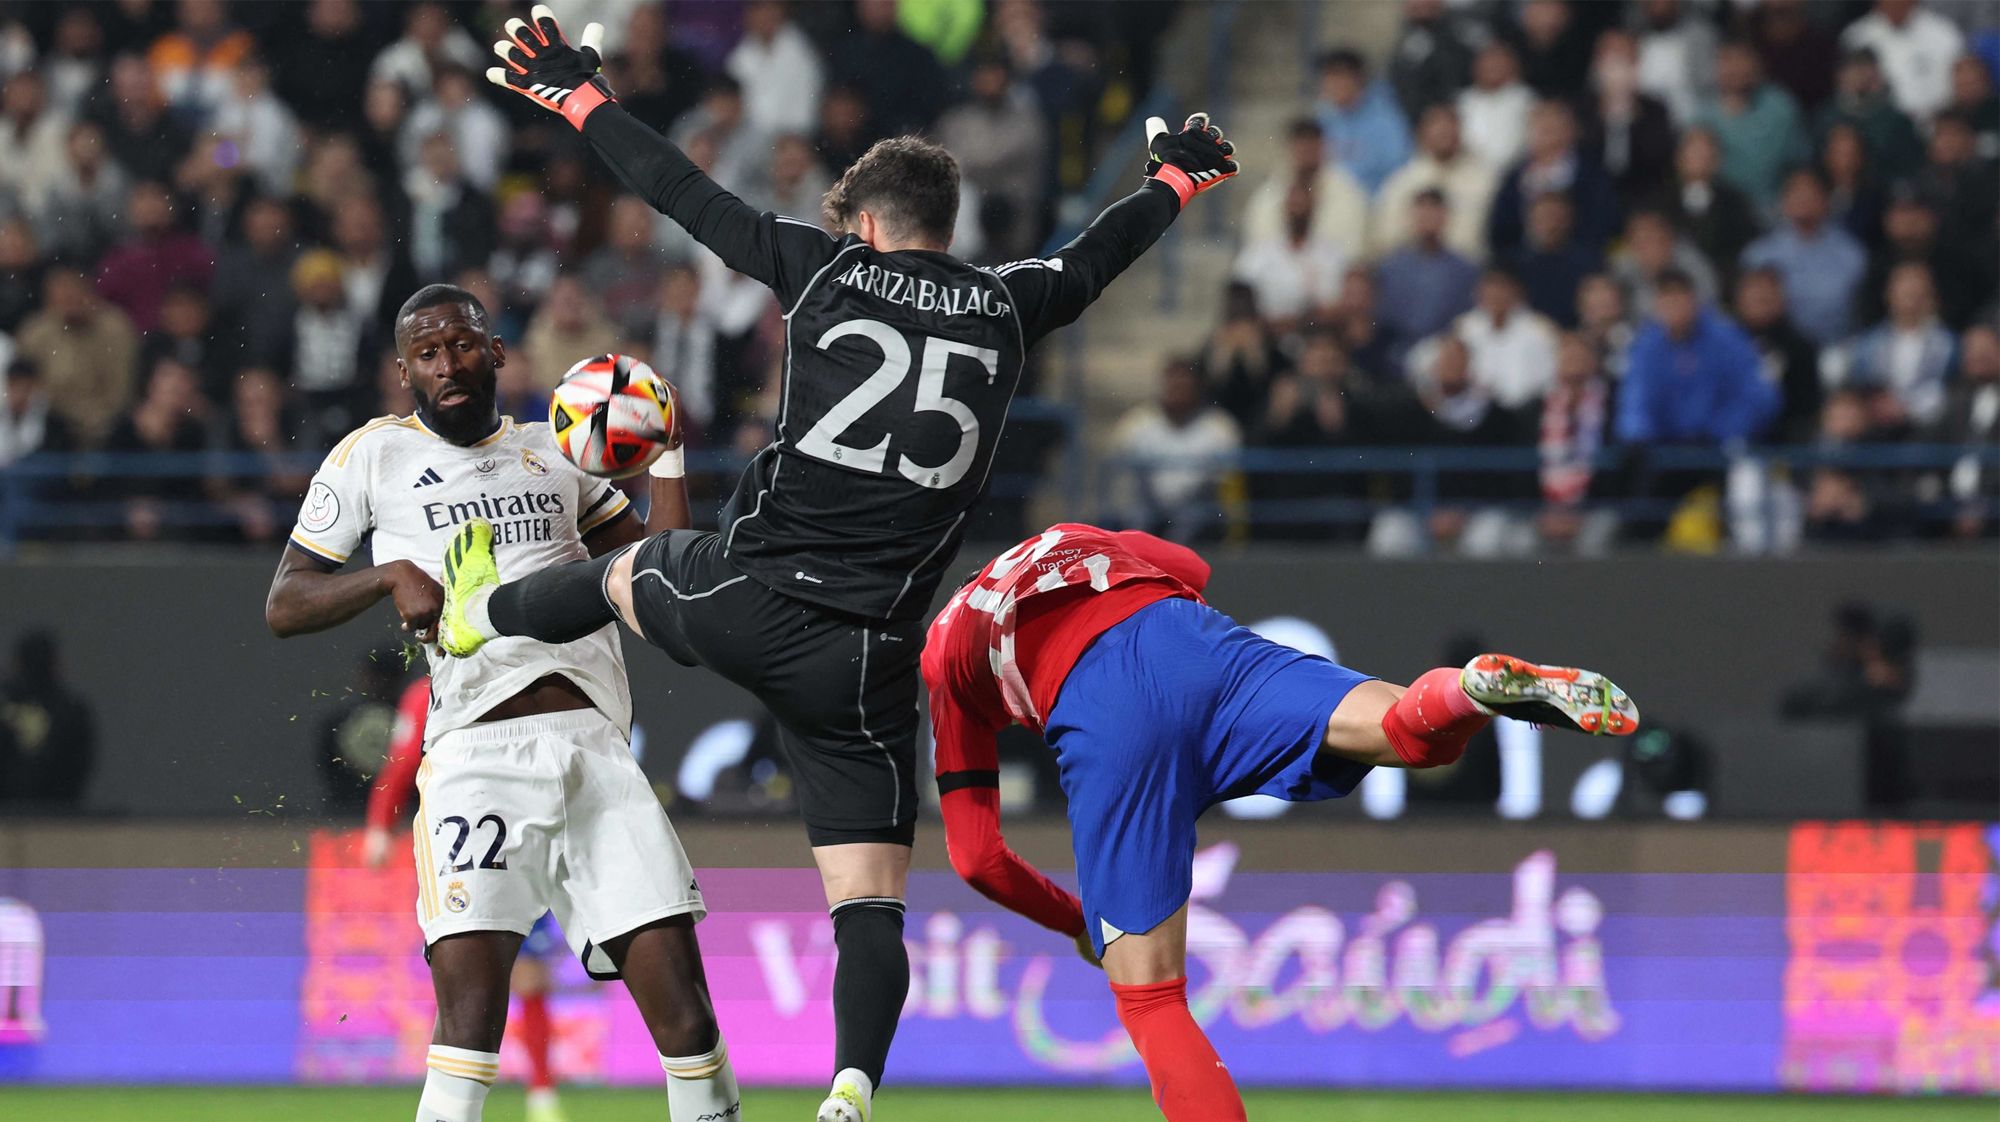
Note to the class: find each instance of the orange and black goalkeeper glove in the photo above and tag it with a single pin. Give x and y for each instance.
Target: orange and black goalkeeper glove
(1189, 161)
(545, 69)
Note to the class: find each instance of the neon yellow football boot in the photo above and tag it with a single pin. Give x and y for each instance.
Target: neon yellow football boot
(470, 576)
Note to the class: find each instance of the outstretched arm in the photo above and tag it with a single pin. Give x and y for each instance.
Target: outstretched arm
(542, 66)
(1051, 292)
(969, 793)
(305, 596)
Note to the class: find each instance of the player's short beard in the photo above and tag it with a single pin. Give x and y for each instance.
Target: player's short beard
(468, 423)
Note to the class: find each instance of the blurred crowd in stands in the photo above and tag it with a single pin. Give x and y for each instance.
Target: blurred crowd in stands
(1592, 232)
(209, 211)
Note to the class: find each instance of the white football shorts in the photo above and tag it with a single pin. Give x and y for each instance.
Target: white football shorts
(545, 813)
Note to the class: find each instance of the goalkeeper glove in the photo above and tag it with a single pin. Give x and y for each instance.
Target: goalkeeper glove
(1190, 161)
(545, 69)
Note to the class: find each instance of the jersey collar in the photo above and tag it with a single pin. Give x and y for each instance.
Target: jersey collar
(506, 425)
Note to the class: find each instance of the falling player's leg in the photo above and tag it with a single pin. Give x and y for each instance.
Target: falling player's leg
(469, 972)
(535, 1029)
(1148, 975)
(865, 885)
(661, 965)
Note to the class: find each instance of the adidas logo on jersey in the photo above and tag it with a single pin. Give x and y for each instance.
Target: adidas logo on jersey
(429, 477)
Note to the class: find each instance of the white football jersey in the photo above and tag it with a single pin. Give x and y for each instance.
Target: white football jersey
(407, 490)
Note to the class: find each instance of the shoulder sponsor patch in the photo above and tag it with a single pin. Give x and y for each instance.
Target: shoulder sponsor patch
(320, 510)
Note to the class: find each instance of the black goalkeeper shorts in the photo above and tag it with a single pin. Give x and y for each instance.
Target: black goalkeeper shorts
(843, 688)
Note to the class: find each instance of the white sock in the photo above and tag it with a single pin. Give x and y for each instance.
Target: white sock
(476, 614)
(857, 1078)
(702, 1088)
(455, 1087)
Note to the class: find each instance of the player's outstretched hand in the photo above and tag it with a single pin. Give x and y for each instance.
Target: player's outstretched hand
(542, 67)
(1189, 161)
(1088, 953)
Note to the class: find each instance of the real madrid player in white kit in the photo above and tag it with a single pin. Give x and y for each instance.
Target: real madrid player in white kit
(529, 796)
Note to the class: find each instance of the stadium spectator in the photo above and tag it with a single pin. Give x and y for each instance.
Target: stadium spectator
(193, 64)
(1854, 197)
(430, 39)
(1971, 419)
(997, 137)
(375, 273)
(1554, 47)
(1444, 163)
(1797, 51)
(523, 264)
(1176, 445)
(1628, 133)
(1755, 121)
(149, 142)
(1432, 57)
(1842, 504)
(22, 266)
(478, 132)
(32, 140)
(1973, 98)
(843, 127)
(567, 327)
(86, 349)
(656, 79)
(1453, 411)
(169, 417)
(1294, 273)
(75, 63)
(948, 28)
(1424, 285)
(684, 339)
(84, 209)
(1356, 321)
(260, 124)
(1316, 406)
(137, 273)
(262, 428)
(624, 276)
(1339, 202)
(1370, 138)
(1965, 185)
(1553, 163)
(211, 185)
(1693, 375)
(251, 292)
(451, 219)
(330, 349)
(1605, 321)
(1861, 98)
(27, 422)
(51, 741)
(1241, 357)
(1512, 348)
(738, 148)
(1493, 111)
(1676, 57)
(385, 109)
(185, 334)
(1716, 215)
(1574, 424)
(899, 79)
(1903, 363)
(1822, 265)
(1917, 48)
(777, 68)
(1651, 248)
(1911, 233)
(321, 68)
(1552, 263)
(1789, 361)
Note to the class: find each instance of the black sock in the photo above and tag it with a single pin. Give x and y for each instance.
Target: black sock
(559, 604)
(869, 983)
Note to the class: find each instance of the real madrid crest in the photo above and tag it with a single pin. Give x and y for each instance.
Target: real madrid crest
(533, 462)
(456, 898)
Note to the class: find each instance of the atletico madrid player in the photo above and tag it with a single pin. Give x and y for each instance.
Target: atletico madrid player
(1158, 707)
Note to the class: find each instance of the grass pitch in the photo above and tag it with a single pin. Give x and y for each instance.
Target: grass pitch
(916, 1104)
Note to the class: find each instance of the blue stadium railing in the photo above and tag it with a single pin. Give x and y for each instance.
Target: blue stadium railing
(88, 495)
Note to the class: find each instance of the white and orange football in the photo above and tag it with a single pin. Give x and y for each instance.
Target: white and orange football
(612, 416)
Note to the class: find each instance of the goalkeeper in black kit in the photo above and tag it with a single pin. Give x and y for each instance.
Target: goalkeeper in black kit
(900, 364)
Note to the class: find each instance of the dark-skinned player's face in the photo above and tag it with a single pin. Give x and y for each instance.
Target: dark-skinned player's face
(448, 357)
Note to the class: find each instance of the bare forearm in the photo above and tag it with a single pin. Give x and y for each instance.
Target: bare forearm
(304, 600)
(668, 506)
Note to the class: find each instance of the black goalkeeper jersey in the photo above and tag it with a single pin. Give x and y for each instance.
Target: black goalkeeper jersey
(898, 372)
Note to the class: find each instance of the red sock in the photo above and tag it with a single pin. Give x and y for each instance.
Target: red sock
(1190, 1082)
(535, 1034)
(1429, 725)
